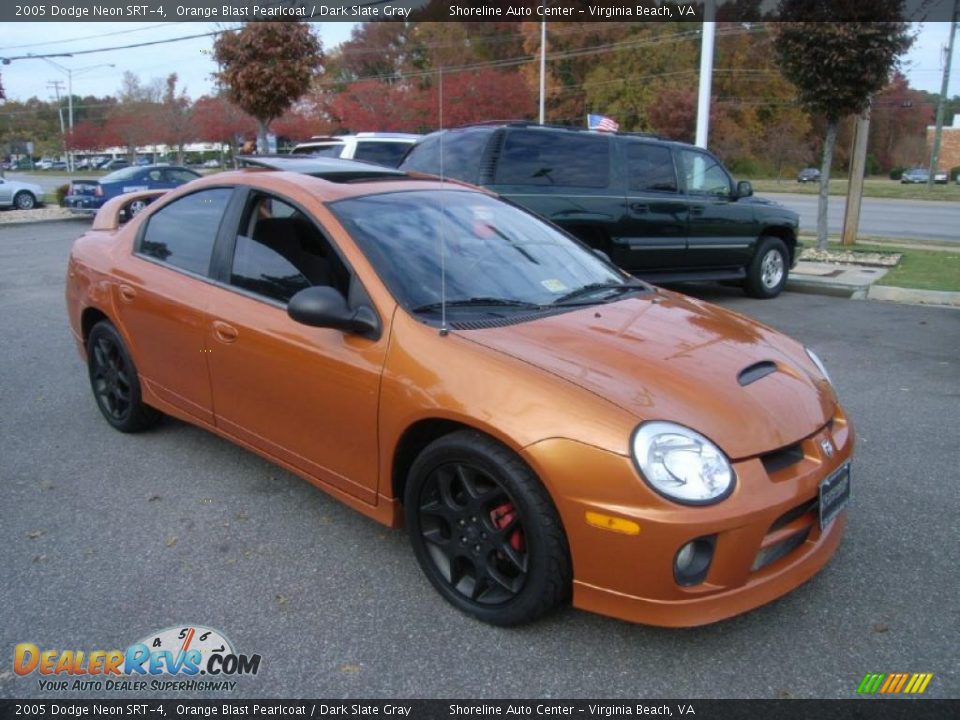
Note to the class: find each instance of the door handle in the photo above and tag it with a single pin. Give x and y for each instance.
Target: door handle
(127, 293)
(639, 207)
(696, 209)
(225, 333)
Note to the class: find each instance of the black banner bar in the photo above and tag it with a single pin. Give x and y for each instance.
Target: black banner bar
(447, 10)
(862, 709)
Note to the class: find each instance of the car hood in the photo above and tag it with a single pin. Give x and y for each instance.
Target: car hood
(667, 357)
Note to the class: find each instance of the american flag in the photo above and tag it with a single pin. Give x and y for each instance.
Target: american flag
(602, 122)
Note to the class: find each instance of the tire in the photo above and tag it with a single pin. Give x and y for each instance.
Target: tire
(485, 531)
(136, 207)
(767, 272)
(115, 382)
(24, 200)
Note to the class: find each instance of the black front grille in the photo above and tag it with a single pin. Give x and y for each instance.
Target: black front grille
(778, 550)
(794, 513)
(782, 459)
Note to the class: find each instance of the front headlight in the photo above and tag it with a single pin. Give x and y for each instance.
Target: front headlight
(819, 363)
(682, 464)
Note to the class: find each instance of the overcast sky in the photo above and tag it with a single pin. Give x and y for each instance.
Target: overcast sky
(191, 60)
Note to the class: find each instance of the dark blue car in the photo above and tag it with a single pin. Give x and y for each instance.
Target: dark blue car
(86, 196)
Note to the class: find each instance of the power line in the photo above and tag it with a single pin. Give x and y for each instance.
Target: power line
(91, 37)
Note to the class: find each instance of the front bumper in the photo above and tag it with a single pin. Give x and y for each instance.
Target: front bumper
(767, 539)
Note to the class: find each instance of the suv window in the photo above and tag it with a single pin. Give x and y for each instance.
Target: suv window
(650, 168)
(182, 234)
(178, 175)
(382, 153)
(425, 156)
(325, 150)
(703, 174)
(559, 159)
(281, 253)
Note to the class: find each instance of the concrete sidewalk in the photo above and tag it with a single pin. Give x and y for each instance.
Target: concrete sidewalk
(857, 283)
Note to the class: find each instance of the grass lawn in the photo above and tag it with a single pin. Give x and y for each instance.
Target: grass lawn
(919, 268)
(873, 187)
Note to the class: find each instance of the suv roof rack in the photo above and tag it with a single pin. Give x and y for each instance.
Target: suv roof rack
(333, 169)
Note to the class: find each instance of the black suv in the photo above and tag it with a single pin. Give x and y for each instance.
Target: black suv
(664, 210)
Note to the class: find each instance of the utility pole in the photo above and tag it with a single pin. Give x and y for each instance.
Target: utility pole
(543, 69)
(55, 85)
(706, 72)
(941, 105)
(858, 163)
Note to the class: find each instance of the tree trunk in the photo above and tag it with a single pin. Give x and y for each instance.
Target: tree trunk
(180, 154)
(828, 145)
(262, 136)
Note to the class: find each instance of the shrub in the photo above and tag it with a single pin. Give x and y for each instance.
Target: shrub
(62, 191)
(954, 173)
(896, 173)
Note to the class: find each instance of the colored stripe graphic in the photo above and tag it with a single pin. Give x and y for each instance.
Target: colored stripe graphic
(894, 683)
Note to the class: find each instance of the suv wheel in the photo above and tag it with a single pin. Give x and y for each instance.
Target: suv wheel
(767, 272)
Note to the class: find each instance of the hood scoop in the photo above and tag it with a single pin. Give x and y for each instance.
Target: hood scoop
(752, 373)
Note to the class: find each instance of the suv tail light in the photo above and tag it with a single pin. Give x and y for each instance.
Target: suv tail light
(99, 191)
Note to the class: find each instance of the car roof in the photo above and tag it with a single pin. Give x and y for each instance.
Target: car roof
(330, 179)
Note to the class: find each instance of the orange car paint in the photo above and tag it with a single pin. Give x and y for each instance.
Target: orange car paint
(564, 392)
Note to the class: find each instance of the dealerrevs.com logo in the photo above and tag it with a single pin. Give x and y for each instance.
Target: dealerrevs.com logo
(187, 658)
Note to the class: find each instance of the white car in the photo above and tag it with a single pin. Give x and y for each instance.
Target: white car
(374, 147)
(20, 195)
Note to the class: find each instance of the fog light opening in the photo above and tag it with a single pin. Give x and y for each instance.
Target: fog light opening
(692, 561)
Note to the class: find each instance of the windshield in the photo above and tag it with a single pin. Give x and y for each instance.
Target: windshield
(493, 253)
(332, 150)
(124, 174)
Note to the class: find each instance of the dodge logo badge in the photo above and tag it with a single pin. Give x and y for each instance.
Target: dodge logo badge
(827, 448)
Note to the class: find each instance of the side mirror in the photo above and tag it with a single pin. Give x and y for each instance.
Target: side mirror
(601, 254)
(744, 189)
(322, 306)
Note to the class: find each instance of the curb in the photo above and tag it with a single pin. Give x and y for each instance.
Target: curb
(911, 296)
(20, 223)
(833, 289)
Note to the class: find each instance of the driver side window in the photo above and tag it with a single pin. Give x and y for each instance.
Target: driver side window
(281, 252)
(703, 175)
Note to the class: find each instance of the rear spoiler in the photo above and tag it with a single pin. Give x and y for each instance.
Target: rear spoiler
(108, 217)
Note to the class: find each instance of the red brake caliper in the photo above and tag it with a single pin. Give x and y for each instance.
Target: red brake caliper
(503, 515)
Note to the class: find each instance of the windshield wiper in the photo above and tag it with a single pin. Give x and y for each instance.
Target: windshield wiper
(592, 288)
(478, 302)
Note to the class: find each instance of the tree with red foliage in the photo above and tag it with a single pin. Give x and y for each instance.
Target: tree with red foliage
(301, 124)
(472, 97)
(217, 120)
(176, 117)
(377, 105)
(266, 67)
(87, 135)
(899, 117)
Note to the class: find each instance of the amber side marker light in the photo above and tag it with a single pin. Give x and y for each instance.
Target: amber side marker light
(614, 524)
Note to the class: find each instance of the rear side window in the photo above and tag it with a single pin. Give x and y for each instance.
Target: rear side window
(382, 153)
(557, 159)
(331, 150)
(183, 233)
(650, 168)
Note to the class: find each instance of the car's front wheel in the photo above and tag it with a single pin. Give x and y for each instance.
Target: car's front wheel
(24, 200)
(115, 382)
(767, 272)
(485, 531)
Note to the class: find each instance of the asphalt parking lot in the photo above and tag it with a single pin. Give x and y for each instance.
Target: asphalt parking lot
(106, 538)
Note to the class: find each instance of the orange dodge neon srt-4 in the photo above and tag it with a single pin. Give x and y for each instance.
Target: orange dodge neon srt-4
(545, 426)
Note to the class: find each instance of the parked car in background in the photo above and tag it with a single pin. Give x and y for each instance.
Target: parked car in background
(19, 195)
(381, 148)
(212, 163)
(808, 175)
(919, 175)
(546, 428)
(663, 210)
(87, 195)
(114, 164)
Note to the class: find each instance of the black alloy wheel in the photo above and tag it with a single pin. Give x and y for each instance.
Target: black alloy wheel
(115, 383)
(485, 531)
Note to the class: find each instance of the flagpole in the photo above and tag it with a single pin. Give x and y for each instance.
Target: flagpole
(706, 72)
(543, 68)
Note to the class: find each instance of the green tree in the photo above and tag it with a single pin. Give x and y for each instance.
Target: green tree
(837, 66)
(266, 67)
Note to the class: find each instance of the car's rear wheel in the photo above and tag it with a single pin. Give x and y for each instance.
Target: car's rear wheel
(24, 200)
(115, 383)
(767, 272)
(485, 531)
